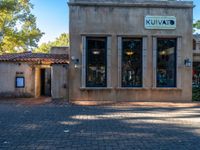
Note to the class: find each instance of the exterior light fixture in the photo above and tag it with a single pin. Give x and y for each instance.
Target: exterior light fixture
(75, 61)
(187, 62)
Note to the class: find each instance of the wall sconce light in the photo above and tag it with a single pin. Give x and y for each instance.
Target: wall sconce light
(187, 62)
(75, 61)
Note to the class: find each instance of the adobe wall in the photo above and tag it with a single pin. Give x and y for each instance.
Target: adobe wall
(59, 81)
(59, 50)
(7, 80)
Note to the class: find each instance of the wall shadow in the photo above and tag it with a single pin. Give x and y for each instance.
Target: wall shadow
(53, 126)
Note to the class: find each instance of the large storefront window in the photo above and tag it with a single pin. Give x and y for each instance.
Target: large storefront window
(131, 62)
(96, 63)
(166, 62)
(196, 74)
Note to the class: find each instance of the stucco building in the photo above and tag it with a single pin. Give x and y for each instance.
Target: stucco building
(130, 50)
(35, 74)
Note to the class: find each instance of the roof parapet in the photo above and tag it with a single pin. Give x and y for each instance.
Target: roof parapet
(133, 3)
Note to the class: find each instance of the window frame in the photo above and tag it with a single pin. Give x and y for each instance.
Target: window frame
(16, 86)
(86, 62)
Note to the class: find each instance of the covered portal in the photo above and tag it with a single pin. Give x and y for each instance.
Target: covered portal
(34, 75)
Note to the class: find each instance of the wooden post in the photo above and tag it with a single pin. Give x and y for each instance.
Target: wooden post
(37, 82)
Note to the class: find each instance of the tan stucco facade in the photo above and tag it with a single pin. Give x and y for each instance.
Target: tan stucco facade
(116, 19)
(59, 50)
(32, 75)
(7, 80)
(59, 82)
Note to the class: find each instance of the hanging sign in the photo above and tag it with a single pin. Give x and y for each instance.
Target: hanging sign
(160, 22)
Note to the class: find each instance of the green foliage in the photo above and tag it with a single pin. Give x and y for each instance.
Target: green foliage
(18, 26)
(196, 94)
(62, 40)
(196, 25)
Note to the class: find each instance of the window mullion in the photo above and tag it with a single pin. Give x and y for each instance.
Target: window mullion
(144, 61)
(83, 84)
(119, 41)
(154, 61)
(179, 63)
(109, 82)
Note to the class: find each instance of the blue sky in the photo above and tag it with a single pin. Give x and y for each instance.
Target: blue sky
(53, 17)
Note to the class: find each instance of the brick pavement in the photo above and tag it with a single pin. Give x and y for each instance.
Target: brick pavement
(50, 125)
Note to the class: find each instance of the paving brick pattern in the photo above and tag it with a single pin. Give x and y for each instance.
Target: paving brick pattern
(52, 126)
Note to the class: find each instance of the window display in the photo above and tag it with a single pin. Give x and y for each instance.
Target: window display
(96, 64)
(166, 62)
(131, 62)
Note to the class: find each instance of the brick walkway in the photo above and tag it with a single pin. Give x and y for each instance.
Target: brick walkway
(50, 125)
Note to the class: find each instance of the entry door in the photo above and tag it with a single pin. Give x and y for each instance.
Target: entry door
(46, 82)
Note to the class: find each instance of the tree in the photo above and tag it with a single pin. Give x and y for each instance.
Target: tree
(62, 40)
(197, 24)
(18, 26)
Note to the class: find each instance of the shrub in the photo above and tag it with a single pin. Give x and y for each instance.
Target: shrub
(196, 94)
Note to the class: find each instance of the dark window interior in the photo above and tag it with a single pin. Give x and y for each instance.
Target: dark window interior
(96, 63)
(131, 62)
(45, 82)
(196, 74)
(166, 62)
(42, 82)
(194, 44)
